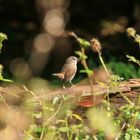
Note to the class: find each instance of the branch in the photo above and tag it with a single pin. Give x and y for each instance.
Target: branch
(85, 90)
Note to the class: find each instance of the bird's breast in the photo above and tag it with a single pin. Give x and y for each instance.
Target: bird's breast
(70, 71)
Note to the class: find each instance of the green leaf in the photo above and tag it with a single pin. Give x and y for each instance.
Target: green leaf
(63, 129)
(137, 38)
(39, 129)
(87, 71)
(133, 59)
(81, 55)
(76, 138)
(60, 121)
(99, 120)
(138, 117)
(2, 37)
(78, 117)
(65, 97)
(6, 80)
(127, 136)
(84, 43)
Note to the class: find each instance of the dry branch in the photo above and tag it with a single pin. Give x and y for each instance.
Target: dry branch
(85, 90)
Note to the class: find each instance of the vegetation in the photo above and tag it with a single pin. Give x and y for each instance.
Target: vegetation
(60, 118)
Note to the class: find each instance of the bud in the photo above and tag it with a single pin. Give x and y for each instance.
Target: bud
(1, 69)
(137, 38)
(131, 31)
(95, 45)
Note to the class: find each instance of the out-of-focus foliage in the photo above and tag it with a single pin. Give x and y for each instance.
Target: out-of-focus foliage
(124, 70)
(133, 59)
(25, 113)
(2, 38)
(132, 33)
(103, 121)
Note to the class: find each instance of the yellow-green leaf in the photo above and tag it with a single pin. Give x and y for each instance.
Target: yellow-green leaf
(78, 117)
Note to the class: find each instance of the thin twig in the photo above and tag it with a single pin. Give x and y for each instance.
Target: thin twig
(126, 98)
(104, 66)
(5, 91)
(42, 133)
(29, 91)
(118, 136)
(49, 119)
(5, 102)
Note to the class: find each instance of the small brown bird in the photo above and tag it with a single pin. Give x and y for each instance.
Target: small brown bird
(68, 70)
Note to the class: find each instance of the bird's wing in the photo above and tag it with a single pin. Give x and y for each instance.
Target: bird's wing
(69, 71)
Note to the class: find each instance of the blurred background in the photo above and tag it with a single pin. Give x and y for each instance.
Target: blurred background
(38, 44)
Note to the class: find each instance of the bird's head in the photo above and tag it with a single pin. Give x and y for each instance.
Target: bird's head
(72, 59)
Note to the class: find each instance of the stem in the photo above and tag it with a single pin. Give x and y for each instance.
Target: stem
(134, 123)
(126, 98)
(84, 63)
(5, 102)
(49, 119)
(135, 117)
(31, 136)
(42, 133)
(119, 134)
(29, 91)
(138, 101)
(68, 134)
(104, 66)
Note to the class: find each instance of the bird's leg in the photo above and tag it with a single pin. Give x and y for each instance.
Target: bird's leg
(71, 84)
(63, 85)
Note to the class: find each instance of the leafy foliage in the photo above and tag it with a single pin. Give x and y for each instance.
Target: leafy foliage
(2, 38)
(124, 70)
(133, 59)
(58, 119)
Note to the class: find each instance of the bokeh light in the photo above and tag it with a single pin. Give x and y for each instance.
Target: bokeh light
(43, 43)
(20, 69)
(54, 22)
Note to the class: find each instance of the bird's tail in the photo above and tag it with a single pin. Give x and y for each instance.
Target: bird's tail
(59, 75)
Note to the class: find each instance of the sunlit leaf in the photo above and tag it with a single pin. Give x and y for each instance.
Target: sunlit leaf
(81, 55)
(137, 38)
(84, 43)
(87, 71)
(39, 129)
(78, 117)
(127, 136)
(133, 59)
(6, 80)
(63, 129)
(99, 120)
(131, 31)
(138, 117)
(60, 121)
(2, 37)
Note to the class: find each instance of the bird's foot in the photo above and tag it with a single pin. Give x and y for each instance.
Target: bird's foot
(73, 86)
(63, 87)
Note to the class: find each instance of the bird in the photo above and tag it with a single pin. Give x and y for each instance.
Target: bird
(68, 70)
